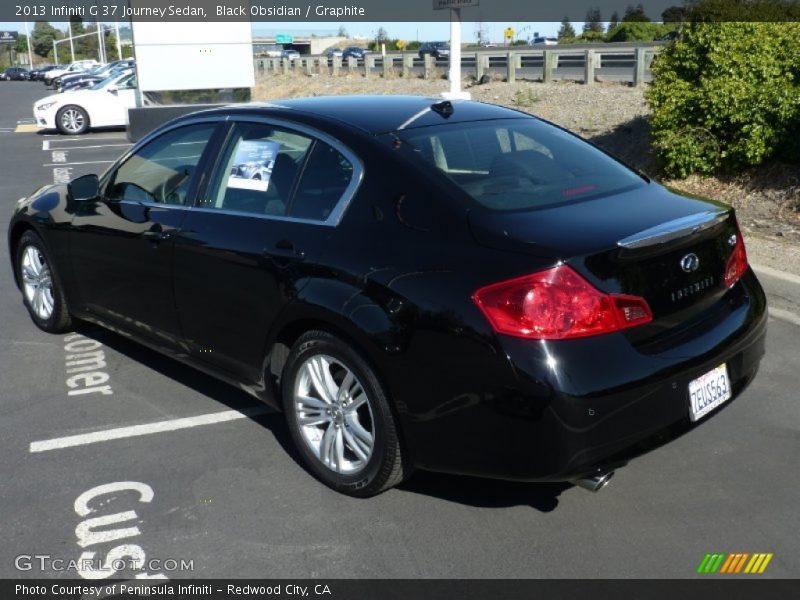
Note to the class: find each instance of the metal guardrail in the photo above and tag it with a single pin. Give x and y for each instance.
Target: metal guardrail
(513, 63)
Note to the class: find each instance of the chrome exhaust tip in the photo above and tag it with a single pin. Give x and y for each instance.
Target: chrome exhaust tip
(595, 483)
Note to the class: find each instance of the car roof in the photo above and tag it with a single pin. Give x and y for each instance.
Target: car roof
(378, 114)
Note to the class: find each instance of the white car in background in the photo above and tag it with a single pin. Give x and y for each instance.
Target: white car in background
(105, 104)
(79, 66)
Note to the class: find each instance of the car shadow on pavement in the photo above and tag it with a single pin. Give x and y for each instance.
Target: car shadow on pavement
(224, 393)
(486, 493)
(471, 491)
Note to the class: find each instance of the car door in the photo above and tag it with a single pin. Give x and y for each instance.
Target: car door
(122, 242)
(109, 107)
(254, 237)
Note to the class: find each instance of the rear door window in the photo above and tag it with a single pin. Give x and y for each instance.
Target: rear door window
(325, 180)
(274, 172)
(259, 170)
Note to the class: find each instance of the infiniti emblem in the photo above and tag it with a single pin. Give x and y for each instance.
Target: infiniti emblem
(690, 262)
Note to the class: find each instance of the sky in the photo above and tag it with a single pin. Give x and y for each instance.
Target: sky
(404, 31)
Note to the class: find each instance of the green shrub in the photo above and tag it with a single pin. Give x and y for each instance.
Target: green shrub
(638, 31)
(726, 96)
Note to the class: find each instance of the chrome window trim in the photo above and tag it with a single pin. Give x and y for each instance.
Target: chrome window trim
(153, 204)
(242, 213)
(339, 209)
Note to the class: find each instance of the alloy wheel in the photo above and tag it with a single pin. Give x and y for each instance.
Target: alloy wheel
(37, 282)
(334, 415)
(72, 120)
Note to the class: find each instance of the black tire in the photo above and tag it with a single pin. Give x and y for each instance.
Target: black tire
(386, 466)
(59, 320)
(83, 128)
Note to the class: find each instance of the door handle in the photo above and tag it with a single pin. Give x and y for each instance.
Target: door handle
(285, 248)
(157, 234)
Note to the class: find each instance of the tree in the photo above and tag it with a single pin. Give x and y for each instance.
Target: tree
(593, 21)
(614, 21)
(21, 47)
(673, 14)
(111, 47)
(635, 14)
(342, 32)
(637, 31)
(87, 47)
(567, 32)
(43, 36)
(76, 23)
(382, 36)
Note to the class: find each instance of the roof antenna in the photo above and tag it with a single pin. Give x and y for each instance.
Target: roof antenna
(444, 108)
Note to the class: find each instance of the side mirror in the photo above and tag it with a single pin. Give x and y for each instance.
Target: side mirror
(83, 188)
(112, 89)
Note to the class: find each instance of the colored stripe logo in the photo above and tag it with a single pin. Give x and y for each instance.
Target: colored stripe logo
(735, 563)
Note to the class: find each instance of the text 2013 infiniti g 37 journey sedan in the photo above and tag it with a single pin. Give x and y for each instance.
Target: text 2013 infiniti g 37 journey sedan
(457, 287)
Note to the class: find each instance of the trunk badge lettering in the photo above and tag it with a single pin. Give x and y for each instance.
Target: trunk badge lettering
(692, 289)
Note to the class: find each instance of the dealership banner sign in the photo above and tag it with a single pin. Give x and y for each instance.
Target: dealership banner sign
(385, 10)
(403, 589)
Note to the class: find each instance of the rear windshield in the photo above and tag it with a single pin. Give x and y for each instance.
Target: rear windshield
(519, 164)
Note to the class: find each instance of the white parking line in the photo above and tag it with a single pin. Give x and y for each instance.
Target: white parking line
(82, 138)
(778, 274)
(90, 162)
(92, 147)
(146, 429)
(784, 315)
(45, 145)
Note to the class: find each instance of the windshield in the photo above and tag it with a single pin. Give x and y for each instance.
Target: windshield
(105, 81)
(519, 164)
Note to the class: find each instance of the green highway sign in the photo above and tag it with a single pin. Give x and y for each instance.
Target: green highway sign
(284, 38)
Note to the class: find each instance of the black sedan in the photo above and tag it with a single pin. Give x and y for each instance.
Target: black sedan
(435, 49)
(39, 73)
(355, 51)
(456, 287)
(15, 74)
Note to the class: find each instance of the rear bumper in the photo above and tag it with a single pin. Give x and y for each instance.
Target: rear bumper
(581, 405)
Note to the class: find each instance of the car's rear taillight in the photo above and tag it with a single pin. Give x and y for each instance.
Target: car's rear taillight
(737, 261)
(557, 304)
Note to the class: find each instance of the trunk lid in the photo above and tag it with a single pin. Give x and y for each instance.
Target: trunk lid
(667, 248)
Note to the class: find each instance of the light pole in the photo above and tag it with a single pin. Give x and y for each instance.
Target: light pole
(71, 44)
(454, 73)
(119, 42)
(30, 52)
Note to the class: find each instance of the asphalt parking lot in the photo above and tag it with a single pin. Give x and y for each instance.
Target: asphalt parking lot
(174, 466)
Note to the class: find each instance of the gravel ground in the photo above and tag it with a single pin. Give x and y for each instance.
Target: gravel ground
(613, 116)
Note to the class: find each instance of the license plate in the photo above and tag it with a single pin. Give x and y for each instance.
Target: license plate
(708, 391)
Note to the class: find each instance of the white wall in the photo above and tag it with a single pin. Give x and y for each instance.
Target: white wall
(193, 56)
